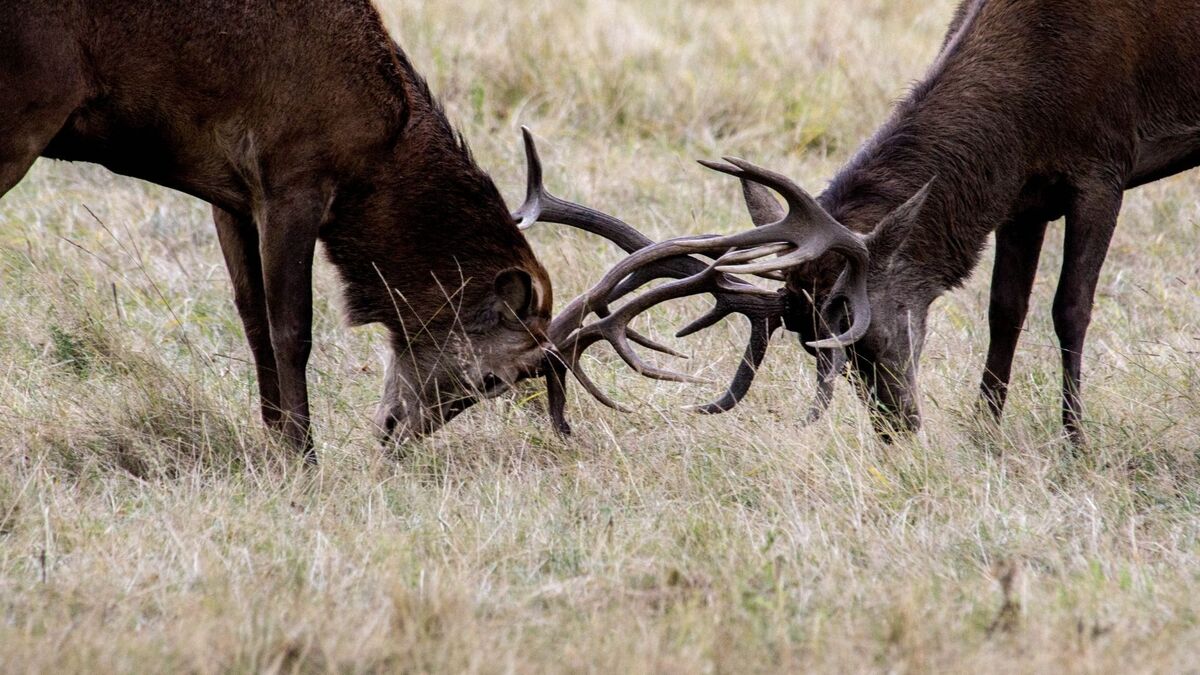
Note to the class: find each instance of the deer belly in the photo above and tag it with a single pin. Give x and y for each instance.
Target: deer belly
(1166, 156)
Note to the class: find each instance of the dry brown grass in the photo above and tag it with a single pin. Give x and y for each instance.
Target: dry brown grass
(143, 527)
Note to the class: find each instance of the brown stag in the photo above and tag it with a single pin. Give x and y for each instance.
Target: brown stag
(1031, 112)
(301, 122)
(298, 121)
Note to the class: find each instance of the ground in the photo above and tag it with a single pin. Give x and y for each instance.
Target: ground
(146, 523)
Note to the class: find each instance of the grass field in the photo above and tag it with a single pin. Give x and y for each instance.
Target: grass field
(144, 527)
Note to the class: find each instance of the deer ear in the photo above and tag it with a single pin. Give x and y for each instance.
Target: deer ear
(514, 294)
(764, 208)
(895, 228)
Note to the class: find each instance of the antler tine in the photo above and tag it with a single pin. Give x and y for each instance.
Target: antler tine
(765, 316)
(851, 288)
(761, 330)
(535, 193)
(763, 208)
(814, 233)
(830, 363)
(556, 393)
(541, 206)
(672, 259)
(589, 385)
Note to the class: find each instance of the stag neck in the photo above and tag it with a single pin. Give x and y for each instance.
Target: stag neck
(978, 123)
(976, 183)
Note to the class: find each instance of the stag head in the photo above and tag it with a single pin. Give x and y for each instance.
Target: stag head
(501, 342)
(880, 317)
(472, 317)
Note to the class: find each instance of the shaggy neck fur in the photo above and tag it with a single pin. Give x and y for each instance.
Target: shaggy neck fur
(958, 129)
(436, 227)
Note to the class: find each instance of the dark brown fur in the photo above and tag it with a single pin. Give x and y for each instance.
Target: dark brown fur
(1034, 110)
(299, 121)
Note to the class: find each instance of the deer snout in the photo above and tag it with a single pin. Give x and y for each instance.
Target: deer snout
(897, 413)
(402, 422)
(387, 422)
(893, 425)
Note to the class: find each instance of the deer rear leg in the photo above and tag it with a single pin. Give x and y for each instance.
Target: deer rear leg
(239, 244)
(287, 244)
(1091, 220)
(1018, 247)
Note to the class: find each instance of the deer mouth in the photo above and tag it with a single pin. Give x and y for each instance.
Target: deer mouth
(398, 425)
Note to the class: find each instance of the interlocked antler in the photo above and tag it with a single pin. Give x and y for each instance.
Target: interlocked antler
(805, 233)
(812, 233)
(850, 291)
(802, 233)
(763, 308)
(572, 336)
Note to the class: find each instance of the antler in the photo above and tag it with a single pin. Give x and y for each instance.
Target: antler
(764, 309)
(806, 232)
(542, 207)
(812, 233)
(571, 336)
(765, 209)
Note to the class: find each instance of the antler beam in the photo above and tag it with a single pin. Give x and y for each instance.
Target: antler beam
(764, 309)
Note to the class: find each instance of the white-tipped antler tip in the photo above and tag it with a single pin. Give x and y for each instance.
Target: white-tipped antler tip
(719, 167)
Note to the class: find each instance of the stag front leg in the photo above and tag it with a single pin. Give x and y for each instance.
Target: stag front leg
(239, 244)
(287, 242)
(1090, 224)
(1018, 247)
